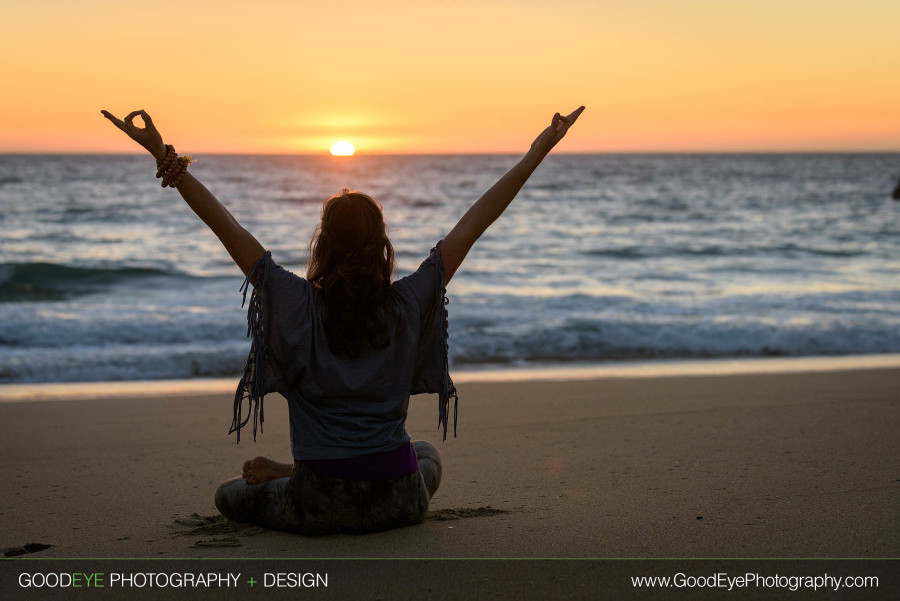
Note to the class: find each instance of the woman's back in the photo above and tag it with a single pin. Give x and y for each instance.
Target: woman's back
(340, 406)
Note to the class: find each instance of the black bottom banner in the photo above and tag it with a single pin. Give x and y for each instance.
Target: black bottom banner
(397, 579)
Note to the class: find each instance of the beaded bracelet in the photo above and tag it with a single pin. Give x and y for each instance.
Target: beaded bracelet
(173, 167)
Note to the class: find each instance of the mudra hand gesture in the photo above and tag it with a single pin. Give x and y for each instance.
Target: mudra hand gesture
(147, 136)
(551, 136)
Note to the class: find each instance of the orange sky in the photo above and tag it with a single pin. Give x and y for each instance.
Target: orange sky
(467, 76)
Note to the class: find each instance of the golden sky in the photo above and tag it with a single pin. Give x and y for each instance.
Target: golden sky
(467, 76)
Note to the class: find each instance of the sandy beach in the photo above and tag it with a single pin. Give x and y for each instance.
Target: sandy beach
(775, 465)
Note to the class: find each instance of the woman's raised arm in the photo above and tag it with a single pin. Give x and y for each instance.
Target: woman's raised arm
(491, 205)
(240, 244)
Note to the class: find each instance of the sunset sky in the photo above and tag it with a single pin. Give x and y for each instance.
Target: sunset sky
(467, 76)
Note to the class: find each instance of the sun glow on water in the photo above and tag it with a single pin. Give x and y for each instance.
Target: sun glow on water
(342, 148)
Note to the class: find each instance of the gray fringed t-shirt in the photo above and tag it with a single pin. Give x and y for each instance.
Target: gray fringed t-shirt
(341, 408)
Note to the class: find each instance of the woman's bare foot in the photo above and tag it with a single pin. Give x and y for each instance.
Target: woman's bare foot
(262, 469)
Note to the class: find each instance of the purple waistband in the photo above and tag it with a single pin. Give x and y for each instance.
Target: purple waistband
(381, 466)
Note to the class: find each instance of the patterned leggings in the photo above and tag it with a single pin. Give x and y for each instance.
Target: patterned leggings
(313, 504)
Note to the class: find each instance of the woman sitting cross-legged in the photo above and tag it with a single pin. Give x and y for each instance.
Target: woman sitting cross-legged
(346, 347)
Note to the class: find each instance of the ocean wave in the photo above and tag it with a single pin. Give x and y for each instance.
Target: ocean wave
(666, 338)
(51, 281)
(649, 251)
(473, 343)
(116, 363)
(629, 252)
(783, 251)
(790, 249)
(297, 199)
(78, 331)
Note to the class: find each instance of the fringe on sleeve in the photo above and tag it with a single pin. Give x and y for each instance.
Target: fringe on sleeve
(251, 385)
(447, 389)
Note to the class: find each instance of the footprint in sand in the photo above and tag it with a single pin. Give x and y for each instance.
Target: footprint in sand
(225, 541)
(465, 512)
(223, 530)
(24, 549)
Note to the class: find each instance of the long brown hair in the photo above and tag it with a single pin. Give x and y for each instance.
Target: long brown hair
(351, 260)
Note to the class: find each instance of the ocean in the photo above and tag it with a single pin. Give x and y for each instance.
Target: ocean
(601, 258)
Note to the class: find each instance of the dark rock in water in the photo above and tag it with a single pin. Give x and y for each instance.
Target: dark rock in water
(896, 194)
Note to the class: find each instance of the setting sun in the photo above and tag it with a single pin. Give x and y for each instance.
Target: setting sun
(342, 148)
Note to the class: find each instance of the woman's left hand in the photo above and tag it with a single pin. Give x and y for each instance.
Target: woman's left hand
(147, 136)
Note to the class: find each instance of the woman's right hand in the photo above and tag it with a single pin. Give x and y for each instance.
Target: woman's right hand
(148, 136)
(551, 136)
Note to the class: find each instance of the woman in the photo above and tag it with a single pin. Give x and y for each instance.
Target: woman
(346, 347)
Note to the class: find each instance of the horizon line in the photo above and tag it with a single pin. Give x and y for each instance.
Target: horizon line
(472, 153)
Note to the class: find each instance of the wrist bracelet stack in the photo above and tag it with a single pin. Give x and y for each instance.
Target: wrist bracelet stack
(172, 168)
